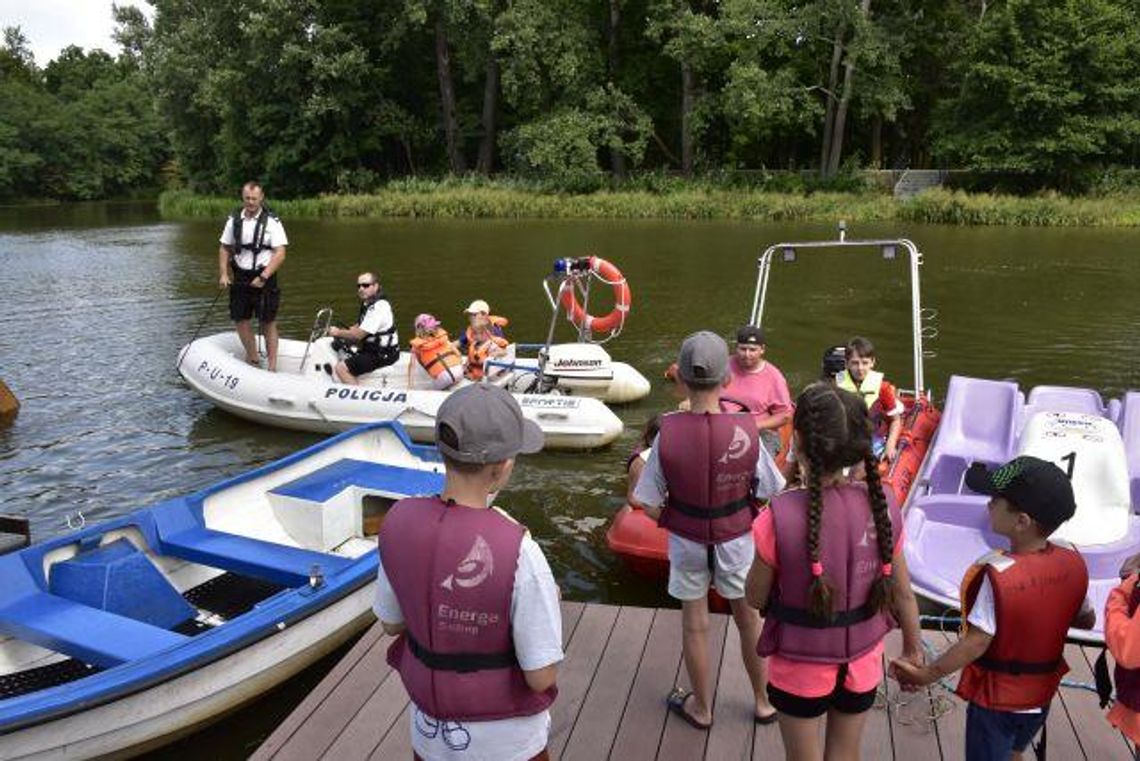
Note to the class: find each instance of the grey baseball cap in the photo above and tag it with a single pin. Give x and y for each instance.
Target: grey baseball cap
(703, 361)
(488, 426)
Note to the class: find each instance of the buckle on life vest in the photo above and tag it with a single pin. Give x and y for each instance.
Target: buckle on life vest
(710, 513)
(460, 662)
(803, 617)
(1019, 668)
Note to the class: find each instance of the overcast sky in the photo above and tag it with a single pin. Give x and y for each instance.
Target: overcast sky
(52, 25)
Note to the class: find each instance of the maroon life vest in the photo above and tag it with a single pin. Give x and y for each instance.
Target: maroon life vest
(849, 552)
(709, 464)
(1036, 597)
(1128, 680)
(453, 571)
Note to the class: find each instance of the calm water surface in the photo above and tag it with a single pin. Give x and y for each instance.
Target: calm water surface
(97, 300)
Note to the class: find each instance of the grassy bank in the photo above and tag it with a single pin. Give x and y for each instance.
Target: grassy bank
(510, 200)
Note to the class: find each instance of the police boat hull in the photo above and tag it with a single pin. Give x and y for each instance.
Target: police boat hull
(303, 394)
(125, 635)
(1097, 444)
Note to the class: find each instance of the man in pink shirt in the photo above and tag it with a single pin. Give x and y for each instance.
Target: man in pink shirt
(760, 385)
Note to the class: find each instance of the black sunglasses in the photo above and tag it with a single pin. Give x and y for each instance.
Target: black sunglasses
(365, 285)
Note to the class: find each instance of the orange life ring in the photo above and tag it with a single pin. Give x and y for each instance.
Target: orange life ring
(622, 297)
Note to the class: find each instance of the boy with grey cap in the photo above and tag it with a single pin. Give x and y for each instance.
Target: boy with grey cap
(705, 473)
(469, 595)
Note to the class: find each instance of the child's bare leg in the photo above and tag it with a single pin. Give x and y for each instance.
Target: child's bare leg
(844, 731)
(748, 625)
(801, 738)
(695, 647)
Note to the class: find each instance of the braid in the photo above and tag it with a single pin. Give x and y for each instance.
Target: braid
(820, 592)
(882, 594)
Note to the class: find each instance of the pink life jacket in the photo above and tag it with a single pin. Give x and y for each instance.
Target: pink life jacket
(849, 552)
(709, 464)
(453, 571)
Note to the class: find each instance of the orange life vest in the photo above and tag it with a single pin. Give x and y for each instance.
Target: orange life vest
(478, 351)
(436, 354)
(1036, 597)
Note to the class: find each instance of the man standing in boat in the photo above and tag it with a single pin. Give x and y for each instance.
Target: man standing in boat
(760, 385)
(374, 334)
(252, 250)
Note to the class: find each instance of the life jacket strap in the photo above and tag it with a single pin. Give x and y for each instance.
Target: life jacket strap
(711, 513)
(805, 618)
(1019, 668)
(460, 662)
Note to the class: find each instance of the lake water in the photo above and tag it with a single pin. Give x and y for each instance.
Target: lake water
(97, 299)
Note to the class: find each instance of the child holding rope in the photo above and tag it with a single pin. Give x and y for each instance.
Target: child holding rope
(830, 578)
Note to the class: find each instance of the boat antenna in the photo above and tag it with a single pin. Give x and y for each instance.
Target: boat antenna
(198, 329)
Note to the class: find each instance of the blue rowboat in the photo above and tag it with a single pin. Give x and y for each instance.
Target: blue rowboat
(124, 635)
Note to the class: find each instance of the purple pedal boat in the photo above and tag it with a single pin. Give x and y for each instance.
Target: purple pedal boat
(988, 421)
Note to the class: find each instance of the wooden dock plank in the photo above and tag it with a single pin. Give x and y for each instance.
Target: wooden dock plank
(1090, 655)
(948, 707)
(681, 741)
(313, 725)
(734, 705)
(397, 744)
(577, 672)
(620, 664)
(371, 723)
(643, 721)
(597, 723)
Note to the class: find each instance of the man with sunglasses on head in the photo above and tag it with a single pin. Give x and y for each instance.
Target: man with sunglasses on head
(373, 335)
(252, 250)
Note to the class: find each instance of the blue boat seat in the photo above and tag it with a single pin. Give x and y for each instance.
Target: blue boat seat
(278, 563)
(80, 631)
(334, 478)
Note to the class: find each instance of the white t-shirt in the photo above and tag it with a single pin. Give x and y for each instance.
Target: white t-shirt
(984, 616)
(536, 629)
(685, 554)
(274, 237)
(379, 318)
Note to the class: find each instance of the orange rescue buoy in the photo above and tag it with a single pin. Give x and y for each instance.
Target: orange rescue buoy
(611, 275)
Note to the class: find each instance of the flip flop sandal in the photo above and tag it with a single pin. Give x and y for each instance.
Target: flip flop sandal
(676, 702)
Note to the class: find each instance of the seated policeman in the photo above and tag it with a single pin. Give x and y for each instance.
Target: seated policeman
(374, 333)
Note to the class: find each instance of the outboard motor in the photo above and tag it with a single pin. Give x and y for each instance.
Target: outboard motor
(578, 366)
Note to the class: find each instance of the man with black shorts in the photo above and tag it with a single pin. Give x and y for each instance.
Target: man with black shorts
(253, 249)
(374, 333)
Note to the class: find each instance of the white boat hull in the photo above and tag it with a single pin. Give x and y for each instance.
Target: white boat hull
(307, 398)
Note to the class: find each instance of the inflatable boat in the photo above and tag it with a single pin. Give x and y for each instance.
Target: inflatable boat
(304, 395)
(642, 545)
(988, 421)
(125, 635)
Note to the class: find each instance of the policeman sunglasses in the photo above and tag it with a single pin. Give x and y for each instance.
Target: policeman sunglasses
(365, 285)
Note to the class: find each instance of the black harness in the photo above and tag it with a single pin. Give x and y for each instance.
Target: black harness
(256, 245)
(372, 342)
(461, 662)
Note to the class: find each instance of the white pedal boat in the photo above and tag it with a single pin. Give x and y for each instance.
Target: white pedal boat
(304, 395)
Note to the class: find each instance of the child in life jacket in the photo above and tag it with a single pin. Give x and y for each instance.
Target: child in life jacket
(436, 353)
(830, 578)
(484, 338)
(1018, 607)
(860, 377)
(705, 472)
(1122, 637)
(469, 595)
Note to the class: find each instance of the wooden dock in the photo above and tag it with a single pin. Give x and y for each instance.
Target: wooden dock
(621, 662)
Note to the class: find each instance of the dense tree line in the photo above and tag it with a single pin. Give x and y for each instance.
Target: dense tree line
(337, 95)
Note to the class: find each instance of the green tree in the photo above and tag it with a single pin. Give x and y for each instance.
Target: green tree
(1048, 87)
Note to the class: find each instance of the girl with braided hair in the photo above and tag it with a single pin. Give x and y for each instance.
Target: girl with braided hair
(830, 577)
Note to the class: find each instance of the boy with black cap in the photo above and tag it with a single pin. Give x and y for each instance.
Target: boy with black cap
(759, 384)
(470, 594)
(1018, 606)
(705, 472)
